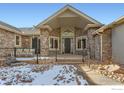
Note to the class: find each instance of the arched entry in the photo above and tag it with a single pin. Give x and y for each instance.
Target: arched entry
(67, 42)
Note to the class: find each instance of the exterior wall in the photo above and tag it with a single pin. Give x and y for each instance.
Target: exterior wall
(102, 46)
(118, 44)
(44, 42)
(91, 43)
(106, 45)
(7, 39)
(26, 41)
(97, 47)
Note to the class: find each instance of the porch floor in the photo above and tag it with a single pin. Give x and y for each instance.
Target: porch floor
(68, 56)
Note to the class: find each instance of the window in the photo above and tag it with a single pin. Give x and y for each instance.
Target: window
(81, 43)
(51, 43)
(54, 43)
(84, 43)
(18, 41)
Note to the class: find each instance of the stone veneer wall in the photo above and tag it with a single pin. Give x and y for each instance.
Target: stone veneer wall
(94, 45)
(26, 41)
(44, 43)
(106, 45)
(91, 43)
(97, 47)
(7, 40)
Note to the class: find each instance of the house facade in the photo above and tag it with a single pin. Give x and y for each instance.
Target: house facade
(68, 31)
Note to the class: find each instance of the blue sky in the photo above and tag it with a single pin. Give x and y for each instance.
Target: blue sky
(27, 15)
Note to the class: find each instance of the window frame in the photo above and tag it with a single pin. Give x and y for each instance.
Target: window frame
(81, 38)
(19, 41)
(54, 38)
(85, 43)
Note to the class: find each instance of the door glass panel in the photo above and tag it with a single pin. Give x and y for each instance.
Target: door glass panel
(67, 45)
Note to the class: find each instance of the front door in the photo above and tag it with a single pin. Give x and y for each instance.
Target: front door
(67, 45)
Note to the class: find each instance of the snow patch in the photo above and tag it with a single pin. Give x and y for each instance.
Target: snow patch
(41, 75)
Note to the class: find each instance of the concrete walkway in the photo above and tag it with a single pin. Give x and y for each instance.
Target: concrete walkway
(97, 78)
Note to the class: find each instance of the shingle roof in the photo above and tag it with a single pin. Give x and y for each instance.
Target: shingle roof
(28, 30)
(9, 26)
(110, 25)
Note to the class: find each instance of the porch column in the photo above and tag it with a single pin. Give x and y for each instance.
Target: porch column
(44, 40)
(74, 39)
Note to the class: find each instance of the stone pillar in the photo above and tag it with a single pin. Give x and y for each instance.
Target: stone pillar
(44, 40)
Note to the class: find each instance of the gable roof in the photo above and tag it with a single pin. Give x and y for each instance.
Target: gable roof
(111, 25)
(72, 9)
(9, 27)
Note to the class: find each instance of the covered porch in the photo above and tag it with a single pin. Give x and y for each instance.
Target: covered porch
(64, 32)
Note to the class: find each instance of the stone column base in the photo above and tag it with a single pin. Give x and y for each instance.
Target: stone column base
(44, 52)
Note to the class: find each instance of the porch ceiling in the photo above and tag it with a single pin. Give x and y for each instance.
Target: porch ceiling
(68, 18)
(68, 21)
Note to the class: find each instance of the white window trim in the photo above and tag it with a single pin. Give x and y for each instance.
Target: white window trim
(19, 41)
(80, 37)
(54, 37)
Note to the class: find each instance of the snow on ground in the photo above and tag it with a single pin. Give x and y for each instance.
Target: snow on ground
(33, 58)
(30, 74)
(22, 59)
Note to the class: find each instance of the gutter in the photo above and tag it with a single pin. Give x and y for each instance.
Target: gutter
(111, 25)
(11, 30)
